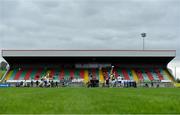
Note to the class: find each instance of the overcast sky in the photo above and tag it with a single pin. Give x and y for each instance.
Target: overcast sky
(90, 24)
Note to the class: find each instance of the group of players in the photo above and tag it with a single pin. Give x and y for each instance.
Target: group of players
(45, 81)
(109, 81)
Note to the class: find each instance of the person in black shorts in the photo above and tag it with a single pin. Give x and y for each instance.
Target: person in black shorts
(37, 83)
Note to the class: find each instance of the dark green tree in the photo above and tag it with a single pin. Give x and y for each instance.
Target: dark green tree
(3, 65)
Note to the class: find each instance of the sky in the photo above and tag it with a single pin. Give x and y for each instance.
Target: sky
(91, 24)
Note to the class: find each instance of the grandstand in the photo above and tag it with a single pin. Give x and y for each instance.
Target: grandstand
(84, 65)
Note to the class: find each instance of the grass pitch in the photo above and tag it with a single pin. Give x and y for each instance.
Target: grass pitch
(89, 100)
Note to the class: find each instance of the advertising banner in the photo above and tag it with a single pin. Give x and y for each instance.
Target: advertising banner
(4, 85)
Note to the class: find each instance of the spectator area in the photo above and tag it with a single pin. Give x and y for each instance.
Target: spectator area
(147, 75)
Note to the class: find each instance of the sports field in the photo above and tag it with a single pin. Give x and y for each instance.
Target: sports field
(89, 100)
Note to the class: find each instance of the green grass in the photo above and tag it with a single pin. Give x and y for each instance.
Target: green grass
(89, 100)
